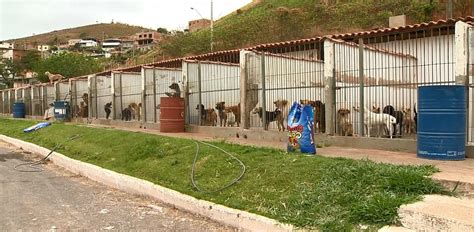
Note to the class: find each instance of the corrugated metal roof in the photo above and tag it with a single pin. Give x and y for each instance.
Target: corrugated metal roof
(376, 32)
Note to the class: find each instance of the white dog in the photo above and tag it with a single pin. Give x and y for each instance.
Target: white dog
(372, 119)
(230, 118)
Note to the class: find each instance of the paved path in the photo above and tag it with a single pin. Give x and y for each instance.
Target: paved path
(58, 200)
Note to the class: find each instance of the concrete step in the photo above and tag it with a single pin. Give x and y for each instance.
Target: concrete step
(439, 213)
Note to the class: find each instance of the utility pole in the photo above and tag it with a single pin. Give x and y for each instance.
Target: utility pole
(212, 26)
(449, 9)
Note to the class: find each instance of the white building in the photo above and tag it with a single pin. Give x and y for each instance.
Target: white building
(6, 45)
(73, 42)
(88, 43)
(111, 44)
(43, 48)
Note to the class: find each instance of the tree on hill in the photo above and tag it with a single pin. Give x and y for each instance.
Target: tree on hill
(68, 65)
(9, 69)
(162, 30)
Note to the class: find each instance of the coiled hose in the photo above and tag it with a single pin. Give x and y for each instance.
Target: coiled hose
(234, 181)
(35, 165)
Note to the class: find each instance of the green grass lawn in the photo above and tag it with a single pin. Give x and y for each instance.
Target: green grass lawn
(330, 194)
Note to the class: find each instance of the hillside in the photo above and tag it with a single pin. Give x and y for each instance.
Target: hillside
(278, 20)
(110, 30)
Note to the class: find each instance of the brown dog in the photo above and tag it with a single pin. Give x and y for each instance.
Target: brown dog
(83, 110)
(136, 110)
(270, 116)
(376, 109)
(220, 107)
(211, 118)
(344, 122)
(236, 111)
(282, 105)
(85, 98)
(408, 121)
(319, 110)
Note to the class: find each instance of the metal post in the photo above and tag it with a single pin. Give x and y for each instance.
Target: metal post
(199, 89)
(449, 9)
(212, 26)
(361, 87)
(154, 96)
(264, 98)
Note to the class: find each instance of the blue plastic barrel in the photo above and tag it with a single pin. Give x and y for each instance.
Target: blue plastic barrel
(442, 122)
(19, 110)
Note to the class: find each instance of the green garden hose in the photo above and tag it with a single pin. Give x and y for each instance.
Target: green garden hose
(35, 165)
(234, 181)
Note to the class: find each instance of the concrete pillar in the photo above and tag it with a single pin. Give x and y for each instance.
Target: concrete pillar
(244, 85)
(184, 78)
(329, 86)
(112, 93)
(143, 108)
(90, 78)
(461, 55)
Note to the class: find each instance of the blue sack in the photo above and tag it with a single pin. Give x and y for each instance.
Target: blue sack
(300, 129)
(37, 127)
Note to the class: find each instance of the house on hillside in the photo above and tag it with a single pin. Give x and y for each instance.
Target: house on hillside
(43, 48)
(128, 44)
(12, 54)
(88, 43)
(6, 45)
(198, 24)
(111, 44)
(145, 40)
(73, 42)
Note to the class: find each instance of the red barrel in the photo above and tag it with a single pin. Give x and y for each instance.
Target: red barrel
(172, 114)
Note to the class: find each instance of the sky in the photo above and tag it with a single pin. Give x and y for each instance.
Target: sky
(20, 18)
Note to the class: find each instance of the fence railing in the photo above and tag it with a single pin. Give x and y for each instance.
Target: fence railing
(336, 77)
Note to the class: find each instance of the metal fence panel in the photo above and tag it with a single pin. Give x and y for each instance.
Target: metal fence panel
(117, 108)
(219, 82)
(18, 95)
(101, 95)
(12, 100)
(131, 90)
(286, 80)
(27, 100)
(392, 72)
(37, 100)
(78, 89)
(50, 94)
(63, 91)
(161, 78)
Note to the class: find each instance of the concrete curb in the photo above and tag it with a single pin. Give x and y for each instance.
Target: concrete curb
(232, 217)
